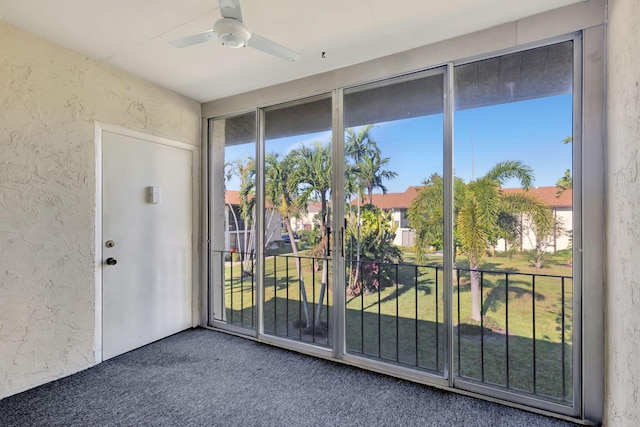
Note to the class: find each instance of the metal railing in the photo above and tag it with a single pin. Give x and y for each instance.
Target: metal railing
(521, 343)
(298, 305)
(234, 279)
(402, 320)
(527, 347)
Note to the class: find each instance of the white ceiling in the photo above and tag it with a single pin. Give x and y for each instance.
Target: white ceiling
(132, 34)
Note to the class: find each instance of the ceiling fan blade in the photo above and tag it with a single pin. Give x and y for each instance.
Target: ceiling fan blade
(273, 48)
(195, 39)
(231, 9)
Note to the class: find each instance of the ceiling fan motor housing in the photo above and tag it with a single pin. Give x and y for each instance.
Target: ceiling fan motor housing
(232, 33)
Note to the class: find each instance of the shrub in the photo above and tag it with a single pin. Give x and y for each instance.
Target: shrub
(377, 251)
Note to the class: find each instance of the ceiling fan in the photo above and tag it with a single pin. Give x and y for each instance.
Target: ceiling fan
(232, 32)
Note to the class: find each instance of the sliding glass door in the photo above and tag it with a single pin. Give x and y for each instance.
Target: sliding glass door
(232, 225)
(513, 295)
(393, 150)
(297, 291)
(424, 225)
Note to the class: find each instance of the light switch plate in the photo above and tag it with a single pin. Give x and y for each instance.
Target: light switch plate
(153, 195)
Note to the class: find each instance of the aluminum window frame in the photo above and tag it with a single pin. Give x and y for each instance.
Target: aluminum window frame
(588, 154)
(576, 409)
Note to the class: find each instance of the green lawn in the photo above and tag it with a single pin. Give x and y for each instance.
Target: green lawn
(403, 323)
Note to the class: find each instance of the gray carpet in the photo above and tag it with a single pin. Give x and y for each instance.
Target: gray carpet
(205, 378)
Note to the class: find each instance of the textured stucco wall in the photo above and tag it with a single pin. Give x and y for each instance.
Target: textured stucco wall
(623, 215)
(49, 100)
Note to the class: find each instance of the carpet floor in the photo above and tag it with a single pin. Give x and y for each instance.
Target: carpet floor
(205, 378)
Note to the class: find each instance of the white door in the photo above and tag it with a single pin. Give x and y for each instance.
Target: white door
(147, 247)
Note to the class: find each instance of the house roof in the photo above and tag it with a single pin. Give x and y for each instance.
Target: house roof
(232, 197)
(314, 207)
(392, 200)
(548, 195)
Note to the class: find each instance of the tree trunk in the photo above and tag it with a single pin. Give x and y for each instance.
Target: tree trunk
(248, 234)
(357, 274)
(303, 290)
(325, 266)
(235, 220)
(475, 292)
(350, 256)
(251, 246)
(268, 227)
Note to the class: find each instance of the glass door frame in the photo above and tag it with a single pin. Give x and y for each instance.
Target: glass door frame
(337, 350)
(339, 272)
(577, 167)
(300, 346)
(210, 151)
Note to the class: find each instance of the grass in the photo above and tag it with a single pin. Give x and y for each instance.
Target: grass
(403, 323)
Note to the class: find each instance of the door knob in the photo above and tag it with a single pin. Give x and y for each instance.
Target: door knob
(111, 261)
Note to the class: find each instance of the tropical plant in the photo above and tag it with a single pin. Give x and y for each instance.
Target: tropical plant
(366, 173)
(372, 173)
(376, 234)
(311, 170)
(542, 239)
(360, 144)
(565, 182)
(311, 173)
(357, 145)
(479, 205)
(367, 160)
(311, 238)
(245, 170)
(281, 192)
(426, 215)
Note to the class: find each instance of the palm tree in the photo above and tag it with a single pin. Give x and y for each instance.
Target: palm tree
(351, 189)
(368, 173)
(360, 144)
(312, 172)
(566, 181)
(426, 214)
(357, 145)
(246, 171)
(372, 173)
(368, 162)
(229, 172)
(479, 207)
(281, 191)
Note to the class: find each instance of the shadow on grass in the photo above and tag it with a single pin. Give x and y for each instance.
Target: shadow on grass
(406, 278)
(481, 355)
(517, 290)
(515, 363)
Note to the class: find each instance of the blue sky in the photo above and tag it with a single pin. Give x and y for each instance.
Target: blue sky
(530, 131)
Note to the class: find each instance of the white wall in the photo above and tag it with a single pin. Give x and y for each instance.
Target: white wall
(623, 215)
(49, 100)
(563, 240)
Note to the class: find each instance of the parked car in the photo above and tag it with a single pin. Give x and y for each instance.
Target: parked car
(286, 239)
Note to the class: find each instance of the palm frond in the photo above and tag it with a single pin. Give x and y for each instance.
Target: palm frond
(508, 169)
